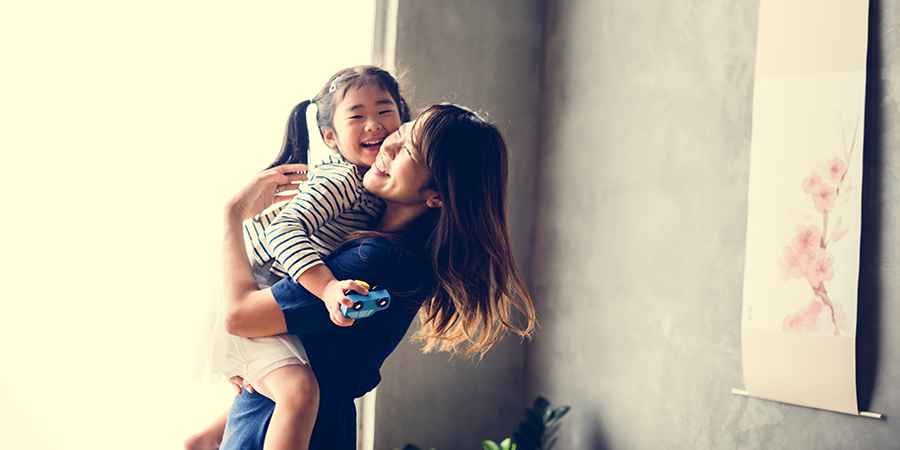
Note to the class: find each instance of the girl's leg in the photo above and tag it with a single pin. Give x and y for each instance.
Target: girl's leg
(210, 437)
(295, 391)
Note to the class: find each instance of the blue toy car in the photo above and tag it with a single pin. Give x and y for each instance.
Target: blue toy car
(366, 305)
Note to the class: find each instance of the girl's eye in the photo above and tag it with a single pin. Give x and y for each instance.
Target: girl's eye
(355, 117)
(387, 111)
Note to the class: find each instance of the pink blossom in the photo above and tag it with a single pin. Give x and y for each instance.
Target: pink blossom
(840, 316)
(813, 318)
(793, 263)
(823, 199)
(820, 268)
(807, 239)
(812, 183)
(839, 234)
(834, 170)
(816, 318)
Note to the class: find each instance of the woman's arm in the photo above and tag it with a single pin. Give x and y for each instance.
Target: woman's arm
(249, 311)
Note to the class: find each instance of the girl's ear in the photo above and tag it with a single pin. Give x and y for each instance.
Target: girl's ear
(330, 137)
(433, 200)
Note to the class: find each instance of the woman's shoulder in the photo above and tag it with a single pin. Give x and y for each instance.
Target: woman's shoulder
(377, 257)
(371, 248)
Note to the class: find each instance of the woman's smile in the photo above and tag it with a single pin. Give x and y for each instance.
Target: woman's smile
(379, 166)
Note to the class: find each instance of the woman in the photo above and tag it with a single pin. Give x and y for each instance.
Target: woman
(441, 249)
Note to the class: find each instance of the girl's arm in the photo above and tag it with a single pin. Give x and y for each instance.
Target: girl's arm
(329, 193)
(332, 192)
(319, 281)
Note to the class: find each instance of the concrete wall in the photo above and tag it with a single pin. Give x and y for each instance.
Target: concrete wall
(641, 227)
(632, 120)
(487, 56)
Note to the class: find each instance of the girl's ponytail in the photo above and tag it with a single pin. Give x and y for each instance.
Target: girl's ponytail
(295, 147)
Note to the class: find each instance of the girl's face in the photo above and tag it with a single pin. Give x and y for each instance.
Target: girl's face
(362, 120)
(399, 174)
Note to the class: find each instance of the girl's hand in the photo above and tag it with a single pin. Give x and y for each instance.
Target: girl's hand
(334, 296)
(238, 383)
(264, 190)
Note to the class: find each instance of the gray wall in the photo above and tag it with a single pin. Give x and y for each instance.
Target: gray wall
(641, 227)
(640, 153)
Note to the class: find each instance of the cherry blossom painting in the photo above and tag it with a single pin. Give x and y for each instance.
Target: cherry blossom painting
(806, 256)
(802, 262)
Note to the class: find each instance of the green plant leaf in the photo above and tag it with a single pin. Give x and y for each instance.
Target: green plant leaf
(535, 418)
(549, 434)
(531, 431)
(505, 445)
(490, 445)
(542, 408)
(551, 445)
(526, 442)
(558, 413)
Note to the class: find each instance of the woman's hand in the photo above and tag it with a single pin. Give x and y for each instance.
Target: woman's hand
(264, 190)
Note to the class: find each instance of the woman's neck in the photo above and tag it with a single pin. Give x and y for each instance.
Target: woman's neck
(398, 217)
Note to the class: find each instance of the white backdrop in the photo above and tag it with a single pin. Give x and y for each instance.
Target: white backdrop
(123, 128)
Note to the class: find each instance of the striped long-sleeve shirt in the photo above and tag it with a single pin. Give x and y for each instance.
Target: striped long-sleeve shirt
(298, 234)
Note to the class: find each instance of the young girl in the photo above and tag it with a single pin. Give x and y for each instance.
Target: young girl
(357, 109)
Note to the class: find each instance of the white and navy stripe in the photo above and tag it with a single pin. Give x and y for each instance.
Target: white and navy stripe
(332, 204)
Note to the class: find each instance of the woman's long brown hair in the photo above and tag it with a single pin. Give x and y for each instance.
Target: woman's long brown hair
(478, 287)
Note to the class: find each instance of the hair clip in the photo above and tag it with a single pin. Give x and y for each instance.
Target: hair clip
(333, 86)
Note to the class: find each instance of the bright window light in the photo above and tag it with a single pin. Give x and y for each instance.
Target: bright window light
(126, 126)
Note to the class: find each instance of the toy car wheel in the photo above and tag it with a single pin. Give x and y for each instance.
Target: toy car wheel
(357, 306)
(382, 302)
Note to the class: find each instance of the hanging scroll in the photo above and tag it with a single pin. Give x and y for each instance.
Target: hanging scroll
(798, 325)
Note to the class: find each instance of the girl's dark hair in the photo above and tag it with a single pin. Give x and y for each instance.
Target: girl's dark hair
(295, 147)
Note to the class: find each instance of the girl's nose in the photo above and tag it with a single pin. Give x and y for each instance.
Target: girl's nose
(373, 125)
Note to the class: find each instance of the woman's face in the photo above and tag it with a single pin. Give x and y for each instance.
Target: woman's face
(361, 121)
(399, 174)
